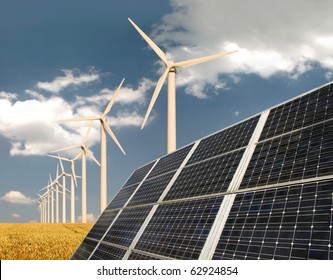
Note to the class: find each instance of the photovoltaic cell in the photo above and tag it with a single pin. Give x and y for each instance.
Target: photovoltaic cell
(170, 162)
(108, 252)
(102, 224)
(139, 174)
(179, 230)
(138, 256)
(127, 225)
(298, 155)
(122, 196)
(293, 222)
(151, 190)
(224, 141)
(206, 177)
(300, 112)
(84, 250)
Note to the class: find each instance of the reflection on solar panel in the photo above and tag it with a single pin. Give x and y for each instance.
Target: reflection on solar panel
(260, 189)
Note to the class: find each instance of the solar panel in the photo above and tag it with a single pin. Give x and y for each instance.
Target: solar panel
(84, 250)
(224, 141)
(138, 256)
(108, 252)
(124, 229)
(260, 189)
(139, 174)
(293, 222)
(180, 229)
(206, 177)
(102, 224)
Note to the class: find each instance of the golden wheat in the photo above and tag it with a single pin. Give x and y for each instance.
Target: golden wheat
(40, 241)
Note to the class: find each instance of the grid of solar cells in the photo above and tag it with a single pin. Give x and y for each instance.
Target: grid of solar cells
(224, 141)
(138, 256)
(102, 224)
(151, 190)
(292, 222)
(84, 250)
(108, 252)
(139, 174)
(122, 196)
(127, 225)
(206, 177)
(300, 112)
(170, 162)
(298, 155)
(179, 230)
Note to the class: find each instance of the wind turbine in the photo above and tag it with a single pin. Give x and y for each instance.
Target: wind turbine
(84, 152)
(40, 208)
(73, 181)
(170, 72)
(46, 195)
(104, 128)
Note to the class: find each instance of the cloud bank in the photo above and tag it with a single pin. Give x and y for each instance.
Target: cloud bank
(34, 126)
(273, 37)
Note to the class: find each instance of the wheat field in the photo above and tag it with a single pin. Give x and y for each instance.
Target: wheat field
(40, 241)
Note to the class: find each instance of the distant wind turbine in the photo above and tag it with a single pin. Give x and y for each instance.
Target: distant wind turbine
(84, 153)
(170, 72)
(104, 128)
(73, 181)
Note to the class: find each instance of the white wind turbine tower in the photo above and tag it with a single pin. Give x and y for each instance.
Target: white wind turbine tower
(46, 195)
(43, 204)
(104, 128)
(40, 208)
(170, 72)
(84, 152)
(56, 182)
(73, 181)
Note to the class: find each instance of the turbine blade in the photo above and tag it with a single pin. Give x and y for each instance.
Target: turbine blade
(91, 156)
(73, 173)
(80, 119)
(155, 95)
(61, 166)
(113, 98)
(66, 149)
(51, 182)
(87, 133)
(57, 172)
(108, 129)
(57, 157)
(195, 61)
(157, 50)
(77, 156)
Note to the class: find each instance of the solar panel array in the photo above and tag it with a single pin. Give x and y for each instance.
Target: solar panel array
(260, 189)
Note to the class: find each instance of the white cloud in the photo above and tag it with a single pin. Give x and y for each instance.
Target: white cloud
(126, 119)
(8, 95)
(16, 197)
(16, 216)
(70, 78)
(32, 126)
(273, 37)
(126, 95)
(35, 94)
(329, 75)
(236, 113)
(90, 218)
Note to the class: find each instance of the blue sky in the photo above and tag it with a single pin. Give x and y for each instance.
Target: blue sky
(64, 59)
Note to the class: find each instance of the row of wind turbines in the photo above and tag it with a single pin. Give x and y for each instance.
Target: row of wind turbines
(54, 187)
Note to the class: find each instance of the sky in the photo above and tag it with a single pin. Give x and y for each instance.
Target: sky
(63, 59)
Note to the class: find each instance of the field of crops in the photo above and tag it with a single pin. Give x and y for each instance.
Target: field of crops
(40, 241)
